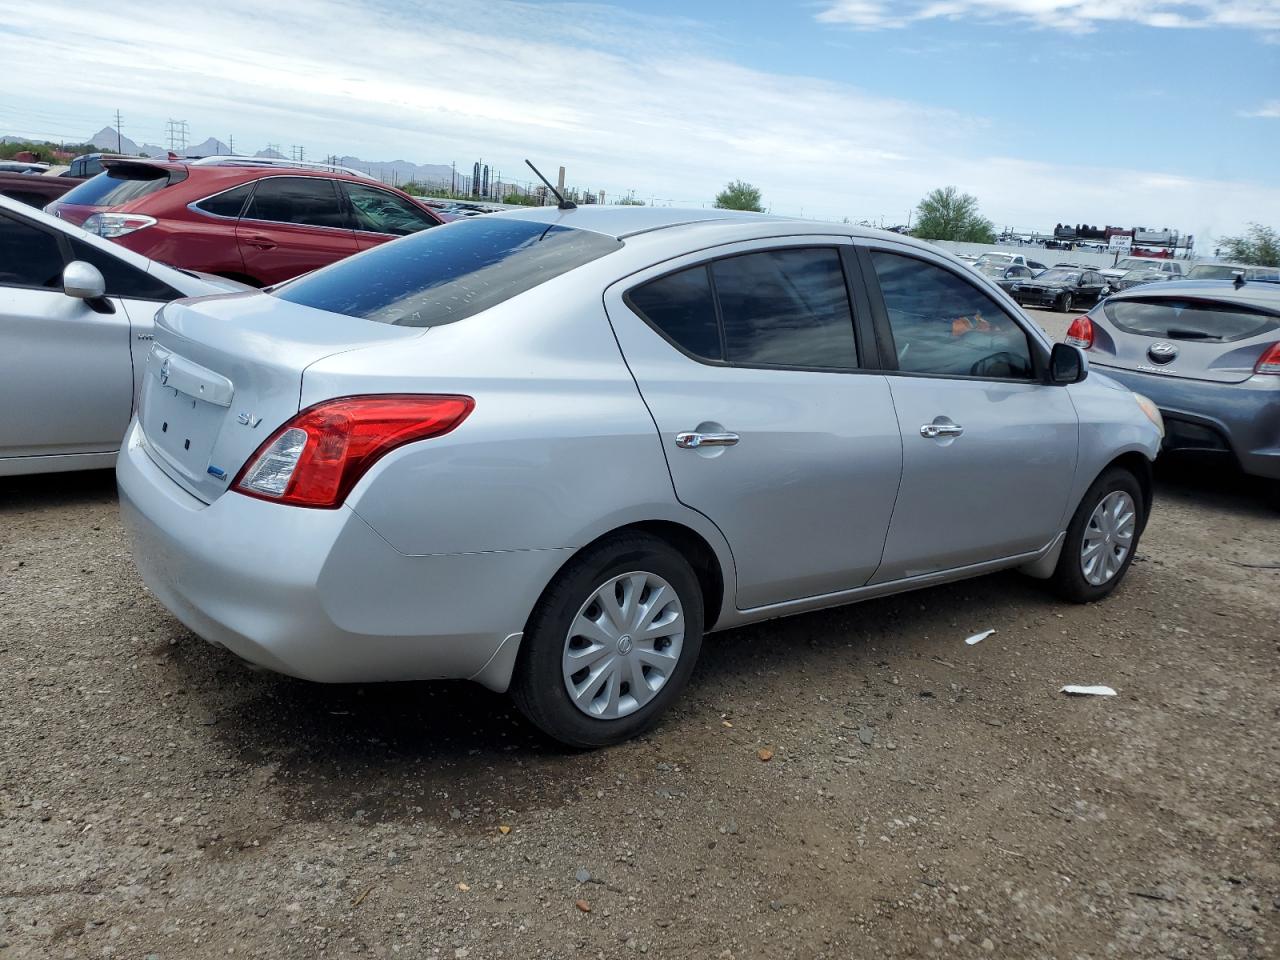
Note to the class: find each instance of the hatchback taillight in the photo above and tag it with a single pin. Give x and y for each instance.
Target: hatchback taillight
(317, 457)
(1269, 362)
(1080, 333)
(111, 225)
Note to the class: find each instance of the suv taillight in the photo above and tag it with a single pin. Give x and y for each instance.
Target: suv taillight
(1080, 333)
(1269, 362)
(112, 225)
(317, 457)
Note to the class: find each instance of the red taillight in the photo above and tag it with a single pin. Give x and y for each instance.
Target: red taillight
(317, 457)
(1269, 362)
(1080, 333)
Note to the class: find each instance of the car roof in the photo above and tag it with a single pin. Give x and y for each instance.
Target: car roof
(621, 221)
(1251, 293)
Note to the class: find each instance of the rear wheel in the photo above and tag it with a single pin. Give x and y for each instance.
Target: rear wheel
(1101, 538)
(611, 643)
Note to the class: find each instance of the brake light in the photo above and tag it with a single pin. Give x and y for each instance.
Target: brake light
(1269, 362)
(316, 458)
(111, 225)
(1080, 333)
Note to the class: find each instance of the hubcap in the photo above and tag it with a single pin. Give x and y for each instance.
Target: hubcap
(623, 645)
(1108, 537)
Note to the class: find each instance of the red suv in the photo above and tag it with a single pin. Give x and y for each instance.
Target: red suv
(252, 220)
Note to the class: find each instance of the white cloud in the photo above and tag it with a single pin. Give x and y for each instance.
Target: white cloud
(1269, 110)
(624, 101)
(1076, 16)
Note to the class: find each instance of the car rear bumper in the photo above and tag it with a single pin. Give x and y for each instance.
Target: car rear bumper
(1242, 419)
(318, 594)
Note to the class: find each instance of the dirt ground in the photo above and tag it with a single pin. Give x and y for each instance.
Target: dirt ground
(924, 798)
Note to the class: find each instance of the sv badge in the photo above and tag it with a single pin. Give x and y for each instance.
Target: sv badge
(248, 419)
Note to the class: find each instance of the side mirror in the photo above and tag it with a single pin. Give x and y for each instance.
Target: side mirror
(83, 281)
(1067, 364)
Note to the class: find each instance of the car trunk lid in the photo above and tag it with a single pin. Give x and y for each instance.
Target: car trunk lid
(225, 372)
(1182, 337)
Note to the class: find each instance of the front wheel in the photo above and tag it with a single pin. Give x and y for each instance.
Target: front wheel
(611, 643)
(1101, 538)
(1065, 303)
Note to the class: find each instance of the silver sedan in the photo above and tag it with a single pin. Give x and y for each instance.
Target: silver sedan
(75, 331)
(548, 450)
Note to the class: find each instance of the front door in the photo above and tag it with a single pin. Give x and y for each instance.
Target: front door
(749, 364)
(66, 381)
(293, 225)
(988, 449)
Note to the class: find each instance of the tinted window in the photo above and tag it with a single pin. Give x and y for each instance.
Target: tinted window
(122, 279)
(227, 204)
(120, 185)
(384, 212)
(306, 201)
(945, 326)
(440, 276)
(680, 306)
(786, 307)
(1187, 319)
(28, 257)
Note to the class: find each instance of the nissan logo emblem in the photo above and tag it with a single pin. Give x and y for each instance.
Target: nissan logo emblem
(164, 373)
(1162, 352)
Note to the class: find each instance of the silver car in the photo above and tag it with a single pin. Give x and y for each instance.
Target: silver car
(548, 450)
(75, 331)
(1208, 353)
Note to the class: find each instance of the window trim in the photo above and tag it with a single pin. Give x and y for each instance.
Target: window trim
(350, 209)
(884, 332)
(300, 226)
(194, 205)
(856, 306)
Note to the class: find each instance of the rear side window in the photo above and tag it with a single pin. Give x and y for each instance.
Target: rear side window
(123, 280)
(229, 203)
(29, 257)
(120, 185)
(680, 306)
(944, 326)
(786, 308)
(1188, 319)
(441, 276)
(305, 201)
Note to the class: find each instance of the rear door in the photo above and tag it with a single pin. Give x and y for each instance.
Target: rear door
(988, 449)
(293, 225)
(66, 383)
(379, 215)
(770, 420)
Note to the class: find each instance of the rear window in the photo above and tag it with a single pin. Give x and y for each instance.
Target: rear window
(441, 276)
(120, 185)
(1188, 319)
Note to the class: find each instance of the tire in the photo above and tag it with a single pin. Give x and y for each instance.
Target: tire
(1069, 578)
(540, 686)
(1065, 303)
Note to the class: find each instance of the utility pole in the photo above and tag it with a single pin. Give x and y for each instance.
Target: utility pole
(231, 144)
(297, 152)
(119, 149)
(453, 176)
(273, 149)
(177, 130)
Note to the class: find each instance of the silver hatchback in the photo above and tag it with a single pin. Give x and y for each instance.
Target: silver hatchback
(548, 450)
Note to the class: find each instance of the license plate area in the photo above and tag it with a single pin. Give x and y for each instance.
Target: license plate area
(179, 424)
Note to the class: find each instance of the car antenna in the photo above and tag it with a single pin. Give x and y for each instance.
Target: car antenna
(1238, 280)
(563, 204)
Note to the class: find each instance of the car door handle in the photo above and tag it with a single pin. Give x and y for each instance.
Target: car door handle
(931, 431)
(691, 441)
(262, 243)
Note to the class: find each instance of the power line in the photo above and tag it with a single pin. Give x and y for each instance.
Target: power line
(177, 133)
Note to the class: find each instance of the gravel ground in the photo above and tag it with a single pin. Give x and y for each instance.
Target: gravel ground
(920, 797)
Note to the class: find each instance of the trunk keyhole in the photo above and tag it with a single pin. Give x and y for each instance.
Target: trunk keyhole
(164, 427)
(186, 445)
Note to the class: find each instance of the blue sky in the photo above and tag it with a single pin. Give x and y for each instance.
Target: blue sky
(1146, 112)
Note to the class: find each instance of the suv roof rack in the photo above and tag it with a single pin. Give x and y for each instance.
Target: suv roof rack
(234, 161)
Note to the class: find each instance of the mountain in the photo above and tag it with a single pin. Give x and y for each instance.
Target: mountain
(400, 171)
(213, 147)
(270, 154)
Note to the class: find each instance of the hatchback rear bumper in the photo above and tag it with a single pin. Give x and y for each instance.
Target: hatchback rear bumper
(1240, 418)
(318, 594)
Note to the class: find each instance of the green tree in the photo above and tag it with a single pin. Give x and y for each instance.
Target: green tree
(948, 214)
(739, 195)
(1259, 246)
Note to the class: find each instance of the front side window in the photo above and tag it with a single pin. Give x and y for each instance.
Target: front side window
(123, 279)
(944, 326)
(441, 276)
(29, 257)
(305, 201)
(786, 308)
(381, 212)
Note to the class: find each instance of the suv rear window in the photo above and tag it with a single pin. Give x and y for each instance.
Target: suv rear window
(1177, 319)
(441, 276)
(120, 185)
